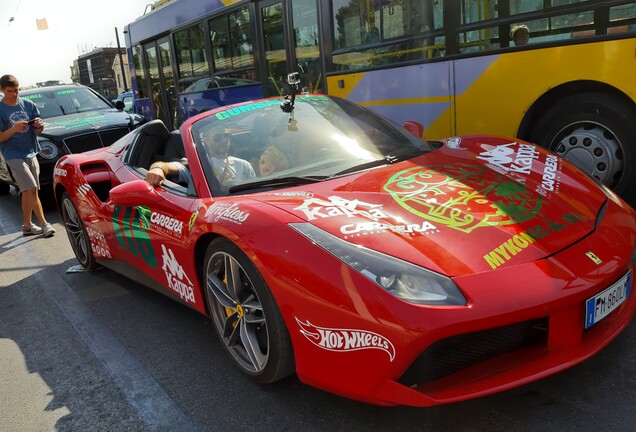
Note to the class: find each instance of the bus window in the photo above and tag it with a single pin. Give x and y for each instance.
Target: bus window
(479, 40)
(140, 75)
(192, 62)
(372, 29)
(476, 11)
(307, 46)
(230, 40)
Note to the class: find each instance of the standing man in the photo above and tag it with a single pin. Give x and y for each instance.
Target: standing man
(20, 122)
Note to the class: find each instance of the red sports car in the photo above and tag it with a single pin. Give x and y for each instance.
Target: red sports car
(324, 241)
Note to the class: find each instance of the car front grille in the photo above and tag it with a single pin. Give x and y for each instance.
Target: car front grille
(94, 140)
(458, 352)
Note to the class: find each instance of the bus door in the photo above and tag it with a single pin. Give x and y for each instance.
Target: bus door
(290, 43)
(162, 84)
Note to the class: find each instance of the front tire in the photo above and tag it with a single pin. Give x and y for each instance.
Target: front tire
(77, 234)
(245, 314)
(595, 132)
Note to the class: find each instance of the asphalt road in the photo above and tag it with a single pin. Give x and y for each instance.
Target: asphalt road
(98, 352)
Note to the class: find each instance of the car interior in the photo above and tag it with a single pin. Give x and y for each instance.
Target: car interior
(155, 143)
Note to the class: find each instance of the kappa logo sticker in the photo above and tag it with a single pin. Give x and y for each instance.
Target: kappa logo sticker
(316, 208)
(178, 280)
(344, 340)
(510, 159)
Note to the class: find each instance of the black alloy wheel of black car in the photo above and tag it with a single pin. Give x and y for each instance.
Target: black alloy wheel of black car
(597, 133)
(77, 234)
(245, 314)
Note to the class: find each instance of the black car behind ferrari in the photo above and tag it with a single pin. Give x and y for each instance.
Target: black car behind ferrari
(76, 119)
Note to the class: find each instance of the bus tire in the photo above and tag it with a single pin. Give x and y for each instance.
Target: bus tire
(594, 131)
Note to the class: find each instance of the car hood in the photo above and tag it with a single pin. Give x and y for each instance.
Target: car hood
(85, 121)
(476, 204)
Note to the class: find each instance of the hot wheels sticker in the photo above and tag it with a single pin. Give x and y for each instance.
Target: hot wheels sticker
(344, 340)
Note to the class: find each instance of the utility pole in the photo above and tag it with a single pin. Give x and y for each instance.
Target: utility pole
(121, 61)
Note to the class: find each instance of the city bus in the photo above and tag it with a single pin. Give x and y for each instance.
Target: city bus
(457, 67)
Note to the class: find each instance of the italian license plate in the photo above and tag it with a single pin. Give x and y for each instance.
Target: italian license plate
(601, 305)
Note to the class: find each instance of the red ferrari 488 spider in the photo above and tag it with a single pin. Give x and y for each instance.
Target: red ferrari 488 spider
(324, 241)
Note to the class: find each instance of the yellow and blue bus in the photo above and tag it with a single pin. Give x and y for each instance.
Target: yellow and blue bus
(560, 73)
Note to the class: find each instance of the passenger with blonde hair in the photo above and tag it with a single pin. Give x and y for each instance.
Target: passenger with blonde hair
(272, 160)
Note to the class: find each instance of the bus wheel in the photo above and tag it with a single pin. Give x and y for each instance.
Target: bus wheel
(593, 131)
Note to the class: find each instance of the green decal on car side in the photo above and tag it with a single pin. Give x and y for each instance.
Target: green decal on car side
(463, 197)
(131, 225)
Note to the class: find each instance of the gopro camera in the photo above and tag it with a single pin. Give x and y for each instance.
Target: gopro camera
(293, 78)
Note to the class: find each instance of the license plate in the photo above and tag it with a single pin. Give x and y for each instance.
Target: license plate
(601, 305)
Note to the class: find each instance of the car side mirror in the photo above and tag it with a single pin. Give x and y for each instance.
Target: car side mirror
(120, 105)
(414, 128)
(134, 193)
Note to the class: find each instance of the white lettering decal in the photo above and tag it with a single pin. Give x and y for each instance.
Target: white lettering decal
(178, 280)
(507, 159)
(167, 223)
(344, 340)
(227, 212)
(316, 208)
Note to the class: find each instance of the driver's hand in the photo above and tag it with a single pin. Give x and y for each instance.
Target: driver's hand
(155, 176)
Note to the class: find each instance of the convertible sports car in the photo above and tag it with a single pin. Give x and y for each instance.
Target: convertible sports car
(332, 244)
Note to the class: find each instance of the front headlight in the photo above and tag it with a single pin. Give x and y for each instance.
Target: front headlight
(48, 150)
(404, 280)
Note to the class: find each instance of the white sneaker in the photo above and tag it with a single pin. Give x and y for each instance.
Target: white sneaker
(33, 229)
(47, 230)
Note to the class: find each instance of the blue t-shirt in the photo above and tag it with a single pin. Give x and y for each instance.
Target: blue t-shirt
(21, 145)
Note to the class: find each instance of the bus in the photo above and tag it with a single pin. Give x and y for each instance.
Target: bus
(457, 67)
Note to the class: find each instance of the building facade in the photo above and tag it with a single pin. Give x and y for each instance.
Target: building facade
(96, 71)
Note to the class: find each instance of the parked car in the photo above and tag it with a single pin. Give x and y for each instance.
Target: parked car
(369, 262)
(76, 119)
(128, 99)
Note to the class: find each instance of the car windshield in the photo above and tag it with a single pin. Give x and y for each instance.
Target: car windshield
(257, 146)
(66, 101)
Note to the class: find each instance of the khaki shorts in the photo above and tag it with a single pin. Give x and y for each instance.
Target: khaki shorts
(26, 172)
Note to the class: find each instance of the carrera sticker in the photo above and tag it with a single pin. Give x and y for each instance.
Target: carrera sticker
(550, 180)
(463, 197)
(227, 212)
(365, 228)
(178, 280)
(131, 225)
(167, 224)
(345, 340)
